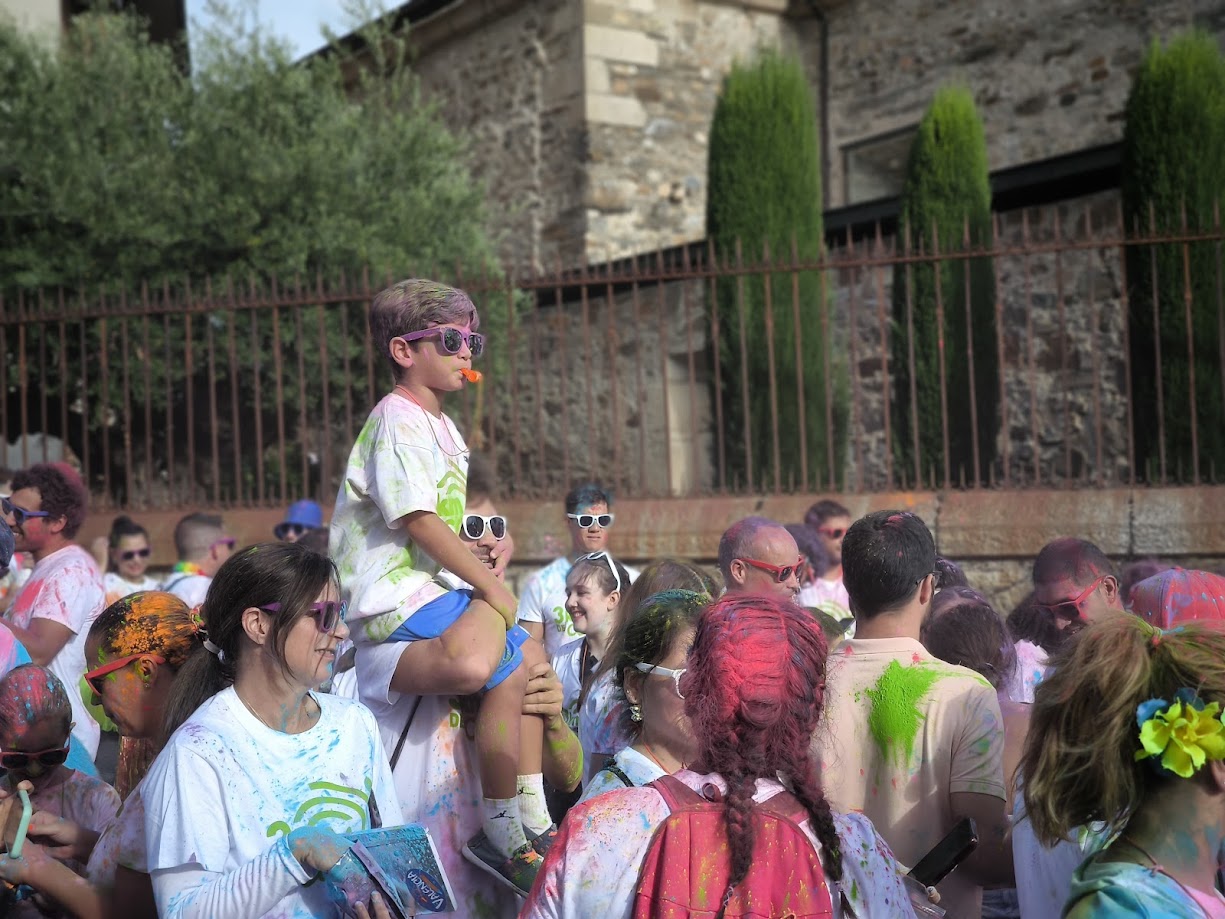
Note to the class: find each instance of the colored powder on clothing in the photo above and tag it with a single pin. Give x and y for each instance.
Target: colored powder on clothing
(895, 717)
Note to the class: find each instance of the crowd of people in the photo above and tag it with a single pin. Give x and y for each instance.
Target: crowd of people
(790, 734)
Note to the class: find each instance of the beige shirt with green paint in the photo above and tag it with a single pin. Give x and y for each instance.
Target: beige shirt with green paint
(903, 731)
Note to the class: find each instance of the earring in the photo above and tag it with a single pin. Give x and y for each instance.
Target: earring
(636, 713)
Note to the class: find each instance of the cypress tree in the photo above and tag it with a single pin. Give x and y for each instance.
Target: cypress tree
(1174, 157)
(946, 187)
(765, 189)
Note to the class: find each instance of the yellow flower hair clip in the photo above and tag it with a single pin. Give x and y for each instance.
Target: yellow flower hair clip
(1185, 734)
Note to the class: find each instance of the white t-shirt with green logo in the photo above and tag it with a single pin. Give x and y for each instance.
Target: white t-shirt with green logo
(224, 795)
(405, 460)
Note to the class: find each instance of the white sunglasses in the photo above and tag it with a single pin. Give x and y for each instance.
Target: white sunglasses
(587, 521)
(676, 675)
(596, 556)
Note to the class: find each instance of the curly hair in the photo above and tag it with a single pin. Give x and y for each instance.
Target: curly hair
(1080, 754)
(753, 691)
(60, 490)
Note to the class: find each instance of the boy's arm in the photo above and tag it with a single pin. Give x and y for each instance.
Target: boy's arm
(432, 534)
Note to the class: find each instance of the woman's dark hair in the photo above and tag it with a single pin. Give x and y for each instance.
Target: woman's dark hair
(754, 691)
(971, 634)
(286, 573)
(122, 526)
(810, 546)
(1031, 621)
(662, 574)
(649, 637)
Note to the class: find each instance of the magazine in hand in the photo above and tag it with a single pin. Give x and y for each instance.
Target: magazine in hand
(401, 864)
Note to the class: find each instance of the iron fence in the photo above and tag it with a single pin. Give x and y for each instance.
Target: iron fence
(681, 372)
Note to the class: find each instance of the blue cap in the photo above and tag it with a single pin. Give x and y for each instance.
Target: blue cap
(305, 512)
(7, 547)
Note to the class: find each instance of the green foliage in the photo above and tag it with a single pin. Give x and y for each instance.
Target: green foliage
(946, 191)
(122, 171)
(765, 188)
(1174, 158)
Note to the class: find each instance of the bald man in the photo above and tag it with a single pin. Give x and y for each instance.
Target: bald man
(759, 556)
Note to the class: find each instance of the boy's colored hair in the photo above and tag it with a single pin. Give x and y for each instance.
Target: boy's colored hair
(1079, 761)
(30, 694)
(413, 305)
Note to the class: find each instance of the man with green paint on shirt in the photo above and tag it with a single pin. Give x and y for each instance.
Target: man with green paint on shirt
(912, 742)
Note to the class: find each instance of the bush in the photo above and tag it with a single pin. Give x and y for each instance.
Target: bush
(946, 186)
(1174, 157)
(765, 187)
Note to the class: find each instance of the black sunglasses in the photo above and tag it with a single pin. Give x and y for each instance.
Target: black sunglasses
(284, 529)
(474, 526)
(135, 553)
(17, 760)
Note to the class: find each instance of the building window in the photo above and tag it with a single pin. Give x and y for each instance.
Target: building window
(876, 167)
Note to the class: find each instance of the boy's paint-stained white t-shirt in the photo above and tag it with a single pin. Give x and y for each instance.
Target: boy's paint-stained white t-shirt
(66, 587)
(436, 778)
(901, 733)
(227, 789)
(405, 460)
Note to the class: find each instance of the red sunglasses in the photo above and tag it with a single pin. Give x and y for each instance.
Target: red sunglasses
(93, 679)
(781, 574)
(1071, 609)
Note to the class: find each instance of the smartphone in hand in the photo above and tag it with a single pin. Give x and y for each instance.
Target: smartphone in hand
(947, 854)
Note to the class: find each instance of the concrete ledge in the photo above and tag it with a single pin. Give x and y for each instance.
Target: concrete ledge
(969, 526)
(1019, 523)
(627, 45)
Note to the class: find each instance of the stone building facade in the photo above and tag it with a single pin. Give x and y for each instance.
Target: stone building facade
(590, 118)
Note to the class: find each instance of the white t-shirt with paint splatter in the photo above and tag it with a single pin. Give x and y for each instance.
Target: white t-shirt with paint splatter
(902, 732)
(436, 777)
(122, 843)
(118, 587)
(66, 587)
(223, 796)
(593, 867)
(405, 460)
(639, 769)
(568, 665)
(828, 596)
(599, 724)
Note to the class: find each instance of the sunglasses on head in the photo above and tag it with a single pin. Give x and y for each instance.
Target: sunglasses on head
(475, 525)
(656, 670)
(832, 532)
(328, 613)
(20, 514)
(93, 679)
(135, 553)
(612, 566)
(14, 759)
(586, 521)
(452, 339)
(781, 573)
(287, 529)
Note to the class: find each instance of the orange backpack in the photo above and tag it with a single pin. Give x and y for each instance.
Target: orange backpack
(685, 872)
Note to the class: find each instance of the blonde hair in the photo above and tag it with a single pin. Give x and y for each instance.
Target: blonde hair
(413, 305)
(1079, 762)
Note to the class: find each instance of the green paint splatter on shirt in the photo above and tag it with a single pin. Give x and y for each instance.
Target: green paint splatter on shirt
(895, 717)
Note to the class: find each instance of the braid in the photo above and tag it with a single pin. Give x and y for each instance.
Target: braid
(822, 819)
(740, 829)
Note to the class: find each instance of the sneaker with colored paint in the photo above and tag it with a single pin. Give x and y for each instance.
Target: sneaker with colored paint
(544, 841)
(517, 872)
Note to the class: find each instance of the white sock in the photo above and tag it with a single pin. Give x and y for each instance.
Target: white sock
(533, 807)
(503, 825)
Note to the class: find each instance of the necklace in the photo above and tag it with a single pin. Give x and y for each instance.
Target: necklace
(260, 717)
(430, 421)
(1156, 867)
(656, 760)
(187, 568)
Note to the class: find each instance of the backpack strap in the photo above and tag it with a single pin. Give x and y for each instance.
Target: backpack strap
(676, 794)
(618, 773)
(785, 805)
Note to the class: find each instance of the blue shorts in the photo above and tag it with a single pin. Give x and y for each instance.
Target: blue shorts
(439, 615)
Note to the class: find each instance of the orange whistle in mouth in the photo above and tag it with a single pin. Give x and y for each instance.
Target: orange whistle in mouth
(472, 376)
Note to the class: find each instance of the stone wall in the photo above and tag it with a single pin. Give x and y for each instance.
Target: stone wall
(508, 74)
(1049, 78)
